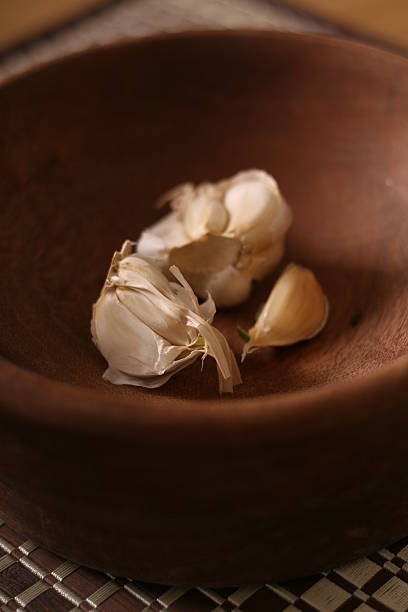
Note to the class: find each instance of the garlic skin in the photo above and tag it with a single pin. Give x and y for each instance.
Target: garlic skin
(221, 235)
(296, 309)
(149, 328)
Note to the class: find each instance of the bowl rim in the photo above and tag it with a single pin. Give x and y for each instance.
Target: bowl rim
(340, 40)
(61, 404)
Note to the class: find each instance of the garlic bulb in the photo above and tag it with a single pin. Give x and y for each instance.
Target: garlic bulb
(221, 235)
(297, 309)
(149, 328)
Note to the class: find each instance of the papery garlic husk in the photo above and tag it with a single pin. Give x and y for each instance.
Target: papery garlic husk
(149, 328)
(297, 309)
(221, 235)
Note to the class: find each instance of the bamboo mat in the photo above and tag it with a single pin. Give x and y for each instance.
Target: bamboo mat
(33, 579)
(384, 20)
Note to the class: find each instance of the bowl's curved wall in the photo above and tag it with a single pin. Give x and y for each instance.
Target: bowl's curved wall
(225, 491)
(87, 145)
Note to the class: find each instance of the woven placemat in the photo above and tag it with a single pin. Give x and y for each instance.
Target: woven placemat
(34, 579)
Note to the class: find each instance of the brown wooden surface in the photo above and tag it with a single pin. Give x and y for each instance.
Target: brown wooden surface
(21, 20)
(385, 20)
(206, 490)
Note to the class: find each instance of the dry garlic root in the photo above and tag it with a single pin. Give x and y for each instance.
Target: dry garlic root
(148, 328)
(221, 235)
(297, 309)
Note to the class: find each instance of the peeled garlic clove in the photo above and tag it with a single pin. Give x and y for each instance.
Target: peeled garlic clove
(297, 309)
(265, 234)
(248, 204)
(260, 264)
(258, 213)
(229, 287)
(148, 328)
(202, 215)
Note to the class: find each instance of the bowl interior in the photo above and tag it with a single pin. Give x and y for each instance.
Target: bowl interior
(87, 145)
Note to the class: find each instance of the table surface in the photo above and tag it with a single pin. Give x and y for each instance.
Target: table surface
(34, 579)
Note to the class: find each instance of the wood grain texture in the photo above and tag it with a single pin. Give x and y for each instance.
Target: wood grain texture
(312, 447)
(21, 20)
(379, 19)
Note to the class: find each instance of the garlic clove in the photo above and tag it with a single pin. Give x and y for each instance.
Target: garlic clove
(216, 343)
(234, 223)
(133, 268)
(119, 377)
(248, 204)
(156, 241)
(259, 214)
(261, 264)
(297, 309)
(148, 328)
(229, 287)
(208, 255)
(264, 234)
(141, 306)
(204, 214)
(116, 333)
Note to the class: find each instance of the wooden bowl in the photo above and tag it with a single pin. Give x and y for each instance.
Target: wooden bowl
(305, 466)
